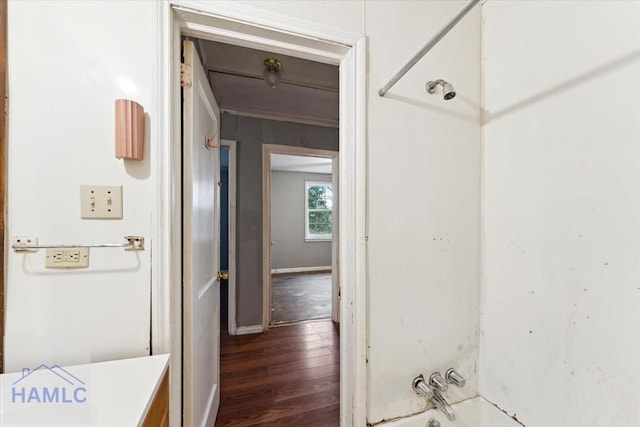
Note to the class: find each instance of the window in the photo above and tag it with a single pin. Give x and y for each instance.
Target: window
(318, 210)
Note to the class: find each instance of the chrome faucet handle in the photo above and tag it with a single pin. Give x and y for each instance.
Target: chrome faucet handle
(436, 381)
(453, 377)
(420, 386)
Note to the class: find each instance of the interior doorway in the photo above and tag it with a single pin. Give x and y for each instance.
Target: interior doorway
(299, 108)
(290, 36)
(269, 151)
(302, 211)
(254, 115)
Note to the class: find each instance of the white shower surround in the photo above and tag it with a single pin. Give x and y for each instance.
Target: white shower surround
(560, 193)
(560, 341)
(476, 412)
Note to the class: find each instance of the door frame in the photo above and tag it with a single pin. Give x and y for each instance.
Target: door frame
(335, 247)
(232, 325)
(250, 26)
(267, 151)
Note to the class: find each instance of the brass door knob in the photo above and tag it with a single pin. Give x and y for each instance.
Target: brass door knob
(222, 275)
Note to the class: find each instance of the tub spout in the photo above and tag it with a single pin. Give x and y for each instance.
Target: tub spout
(420, 386)
(443, 405)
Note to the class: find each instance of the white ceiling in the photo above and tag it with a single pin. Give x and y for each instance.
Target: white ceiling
(308, 92)
(282, 162)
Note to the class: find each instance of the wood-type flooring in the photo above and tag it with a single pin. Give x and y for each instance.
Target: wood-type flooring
(300, 296)
(288, 376)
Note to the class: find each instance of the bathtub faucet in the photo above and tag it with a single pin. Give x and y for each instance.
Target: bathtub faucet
(421, 387)
(443, 405)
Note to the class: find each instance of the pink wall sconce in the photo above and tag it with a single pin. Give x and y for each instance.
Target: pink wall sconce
(129, 130)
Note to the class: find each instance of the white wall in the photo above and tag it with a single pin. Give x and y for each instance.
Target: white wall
(345, 15)
(424, 204)
(68, 62)
(561, 315)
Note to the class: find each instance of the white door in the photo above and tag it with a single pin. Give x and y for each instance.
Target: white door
(201, 287)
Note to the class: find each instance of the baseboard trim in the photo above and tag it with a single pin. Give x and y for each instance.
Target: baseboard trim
(247, 330)
(300, 269)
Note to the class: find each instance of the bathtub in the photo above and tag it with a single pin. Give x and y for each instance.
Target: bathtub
(475, 412)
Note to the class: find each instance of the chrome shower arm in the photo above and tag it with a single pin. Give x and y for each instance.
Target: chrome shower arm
(431, 86)
(413, 61)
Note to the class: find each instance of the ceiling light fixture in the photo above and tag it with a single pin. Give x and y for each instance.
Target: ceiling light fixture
(272, 72)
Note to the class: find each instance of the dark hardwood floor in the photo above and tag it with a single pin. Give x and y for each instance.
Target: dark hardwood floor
(300, 296)
(288, 376)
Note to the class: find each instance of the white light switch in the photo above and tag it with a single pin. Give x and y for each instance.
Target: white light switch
(101, 202)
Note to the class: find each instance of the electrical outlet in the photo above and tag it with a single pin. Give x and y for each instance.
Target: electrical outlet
(101, 202)
(67, 258)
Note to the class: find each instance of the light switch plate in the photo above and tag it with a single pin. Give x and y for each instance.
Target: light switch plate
(101, 202)
(67, 258)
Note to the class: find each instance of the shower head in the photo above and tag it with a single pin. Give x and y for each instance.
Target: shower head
(447, 88)
(449, 91)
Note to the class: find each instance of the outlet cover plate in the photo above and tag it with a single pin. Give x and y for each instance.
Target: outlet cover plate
(67, 258)
(101, 202)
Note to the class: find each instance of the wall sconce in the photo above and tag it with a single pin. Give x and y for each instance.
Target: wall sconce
(272, 72)
(129, 130)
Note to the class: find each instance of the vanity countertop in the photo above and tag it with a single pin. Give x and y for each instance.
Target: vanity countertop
(116, 393)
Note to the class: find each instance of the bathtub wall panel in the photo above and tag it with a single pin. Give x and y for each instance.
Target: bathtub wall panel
(561, 212)
(423, 204)
(476, 412)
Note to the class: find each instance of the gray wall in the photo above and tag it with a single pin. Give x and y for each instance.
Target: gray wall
(289, 248)
(250, 134)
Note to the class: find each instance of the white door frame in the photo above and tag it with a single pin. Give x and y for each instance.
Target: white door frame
(335, 249)
(267, 151)
(231, 282)
(257, 28)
